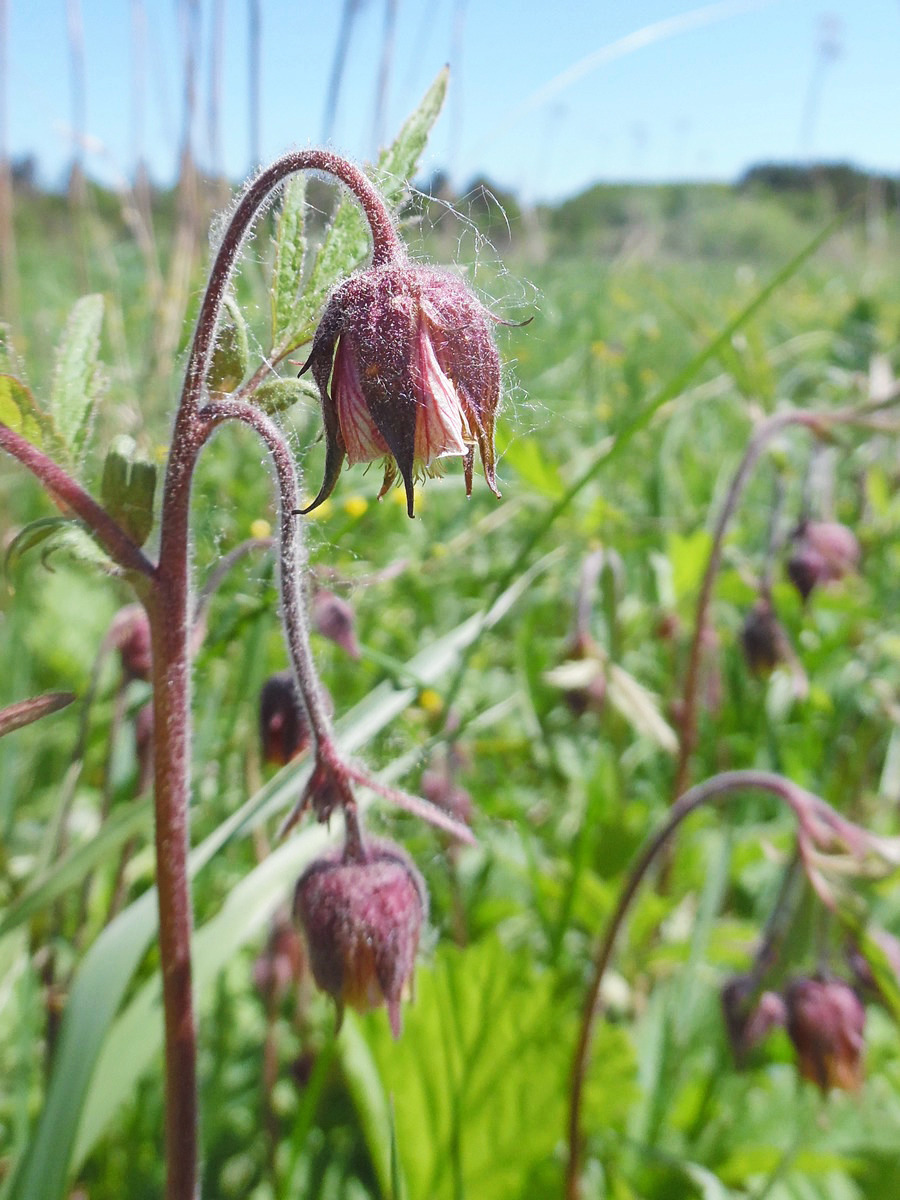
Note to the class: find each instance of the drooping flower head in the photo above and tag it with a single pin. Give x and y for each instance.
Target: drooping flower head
(826, 1023)
(362, 918)
(822, 552)
(414, 375)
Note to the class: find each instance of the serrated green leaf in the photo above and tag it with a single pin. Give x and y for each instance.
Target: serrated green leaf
(290, 248)
(397, 164)
(479, 1076)
(128, 487)
(346, 244)
(75, 543)
(18, 409)
(78, 378)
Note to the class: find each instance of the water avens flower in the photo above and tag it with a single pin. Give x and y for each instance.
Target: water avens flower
(826, 1022)
(822, 552)
(361, 917)
(414, 376)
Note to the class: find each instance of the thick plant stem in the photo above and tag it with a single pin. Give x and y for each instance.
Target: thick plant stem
(168, 613)
(711, 791)
(168, 604)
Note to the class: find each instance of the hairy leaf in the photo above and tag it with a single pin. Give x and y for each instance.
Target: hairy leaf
(78, 378)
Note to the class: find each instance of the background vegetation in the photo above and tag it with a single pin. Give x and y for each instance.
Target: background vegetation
(629, 288)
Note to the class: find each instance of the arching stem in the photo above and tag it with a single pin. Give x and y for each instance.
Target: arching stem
(806, 807)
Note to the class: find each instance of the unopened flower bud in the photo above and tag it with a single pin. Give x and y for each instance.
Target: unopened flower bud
(749, 1015)
(415, 378)
(763, 640)
(335, 620)
(822, 552)
(825, 1021)
(131, 637)
(440, 786)
(280, 964)
(283, 724)
(362, 921)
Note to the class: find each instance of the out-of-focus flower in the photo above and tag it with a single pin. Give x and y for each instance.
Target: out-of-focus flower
(439, 784)
(280, 965)
(283, 724)
(414, 374)
(763, 640)
(362, 919)
(130, 635)
(826, 1021)
(335, 620)
(821, 552)
(750, 1015)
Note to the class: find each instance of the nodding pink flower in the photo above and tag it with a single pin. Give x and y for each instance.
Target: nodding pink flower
(362, 920)
(822, 552)
(414, 375)
(749, 1014)
(131, 637)
(826, 1021)
(283, 725)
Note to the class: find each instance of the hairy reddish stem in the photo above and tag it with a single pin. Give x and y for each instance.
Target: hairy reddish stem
(169, 607)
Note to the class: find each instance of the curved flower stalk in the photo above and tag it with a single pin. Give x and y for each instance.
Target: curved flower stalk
(825, 840)
(427, 387)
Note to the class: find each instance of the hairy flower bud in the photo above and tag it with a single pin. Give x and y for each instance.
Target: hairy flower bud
(763, 640)
(362, 921)
(749, 1014)
(283, 724)
(414, 372)
(822, 552)
(131, 637)
(334, 619)
(825, 1021)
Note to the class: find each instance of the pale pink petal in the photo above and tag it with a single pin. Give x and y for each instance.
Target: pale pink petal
(440, 424)
(361, 437)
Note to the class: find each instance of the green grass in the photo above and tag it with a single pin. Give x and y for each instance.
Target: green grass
(627, 313)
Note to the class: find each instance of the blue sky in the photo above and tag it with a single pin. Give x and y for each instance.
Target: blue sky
(546, 97)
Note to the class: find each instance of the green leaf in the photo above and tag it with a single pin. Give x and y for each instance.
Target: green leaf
(78, 377)
(290, 248)
(31, 535)
(346, 244)
(19, 411)
(128, 487)
(479, 1077)
(132, 1044)
(397, 164)
(70, 870)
